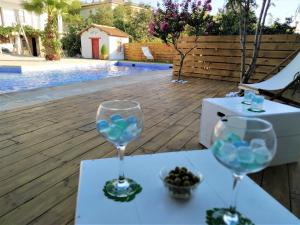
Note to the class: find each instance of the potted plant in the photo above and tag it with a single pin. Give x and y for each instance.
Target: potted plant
(104, 52)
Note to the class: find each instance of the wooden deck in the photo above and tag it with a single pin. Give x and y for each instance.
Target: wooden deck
(41, 147)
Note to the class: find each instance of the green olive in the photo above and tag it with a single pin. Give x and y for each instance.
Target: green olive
(186, 183)
(177, 181)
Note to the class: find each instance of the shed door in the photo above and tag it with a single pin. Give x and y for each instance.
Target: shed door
(95, 48)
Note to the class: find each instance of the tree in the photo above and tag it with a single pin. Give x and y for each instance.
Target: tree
(50, 38)
(138, 24)
(280, 28)
(71, 41)
(72, 17)
(173, 19)
(135, 23)
(227, 22)
(121, 17)
(103, 16)
(257, 40)
(243, 9)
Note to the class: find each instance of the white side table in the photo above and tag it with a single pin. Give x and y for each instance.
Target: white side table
(154, 205)
(285, 120)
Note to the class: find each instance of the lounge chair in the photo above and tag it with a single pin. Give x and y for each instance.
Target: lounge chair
(147, 53)
(286, 78)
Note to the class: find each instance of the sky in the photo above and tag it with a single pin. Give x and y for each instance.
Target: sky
(281, 10)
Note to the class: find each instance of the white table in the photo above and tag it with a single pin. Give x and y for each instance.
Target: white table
(285, 120)
(154, 206)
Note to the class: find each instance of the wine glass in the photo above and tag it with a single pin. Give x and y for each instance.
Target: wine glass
(120, 122)
(243, 145)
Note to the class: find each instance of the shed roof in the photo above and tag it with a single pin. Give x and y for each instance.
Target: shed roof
(111, 31)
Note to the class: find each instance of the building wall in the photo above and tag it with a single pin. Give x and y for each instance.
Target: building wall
(86, 43)
(116, 47)
(10, 10)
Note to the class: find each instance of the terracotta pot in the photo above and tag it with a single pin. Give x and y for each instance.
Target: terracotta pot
(104, 57)
(53, 57)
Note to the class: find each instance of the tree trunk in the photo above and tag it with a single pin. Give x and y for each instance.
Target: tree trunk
(242, 27)
(50, 40)
(257, 40)
(182, 57)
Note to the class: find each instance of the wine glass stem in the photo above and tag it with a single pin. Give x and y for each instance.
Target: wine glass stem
(121, 151)
(236, 179)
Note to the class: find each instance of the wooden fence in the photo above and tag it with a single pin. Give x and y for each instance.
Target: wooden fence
(218, 57)
(160, 52)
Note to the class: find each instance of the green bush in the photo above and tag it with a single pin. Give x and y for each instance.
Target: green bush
(71, 41)
(104, 50)
(280, 28)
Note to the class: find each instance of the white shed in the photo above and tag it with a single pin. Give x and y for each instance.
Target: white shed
(95, 36)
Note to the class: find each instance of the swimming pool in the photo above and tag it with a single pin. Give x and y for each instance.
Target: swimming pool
(13, 82)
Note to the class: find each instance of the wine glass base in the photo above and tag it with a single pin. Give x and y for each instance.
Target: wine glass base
(226, 216)
(124, 191)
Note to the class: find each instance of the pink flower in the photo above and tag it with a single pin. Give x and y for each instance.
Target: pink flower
(208, 7)
(164, 26)
(151, 28)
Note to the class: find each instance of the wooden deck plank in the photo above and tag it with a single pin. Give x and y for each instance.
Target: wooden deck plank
(34, 149)
(276, 182)
(7, 143)
(40, 165)
(294, 177)
(62, 213)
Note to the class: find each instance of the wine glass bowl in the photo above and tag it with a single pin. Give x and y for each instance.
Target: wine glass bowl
(243, 145)
(120, 122)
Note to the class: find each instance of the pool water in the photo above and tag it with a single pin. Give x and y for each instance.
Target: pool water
(12, 82)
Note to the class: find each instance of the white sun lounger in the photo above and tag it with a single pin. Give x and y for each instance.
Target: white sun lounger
(147, 53)
(280, 82)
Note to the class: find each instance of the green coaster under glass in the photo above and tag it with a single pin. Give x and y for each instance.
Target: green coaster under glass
(124, 193)
(257, 111)
(215, 217)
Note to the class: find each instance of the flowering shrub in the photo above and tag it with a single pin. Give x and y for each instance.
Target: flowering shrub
(173, 19)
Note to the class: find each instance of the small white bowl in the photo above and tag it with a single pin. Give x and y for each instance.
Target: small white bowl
(180, 192)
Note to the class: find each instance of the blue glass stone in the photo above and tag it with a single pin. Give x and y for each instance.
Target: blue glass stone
(217, 146)
(131, 119)
(245, 155)
(258, 99)
(133, 130)
(126, 137)
(115, 117)
(102, 125)
(240, 143)
(121, 123)
(232, 137)
(114, 132)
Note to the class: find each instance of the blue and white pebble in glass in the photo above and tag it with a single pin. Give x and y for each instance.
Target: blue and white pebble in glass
(257, 103)
(248, 95)
(119, 130)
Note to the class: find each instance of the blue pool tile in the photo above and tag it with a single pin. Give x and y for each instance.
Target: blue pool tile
(10, 69)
